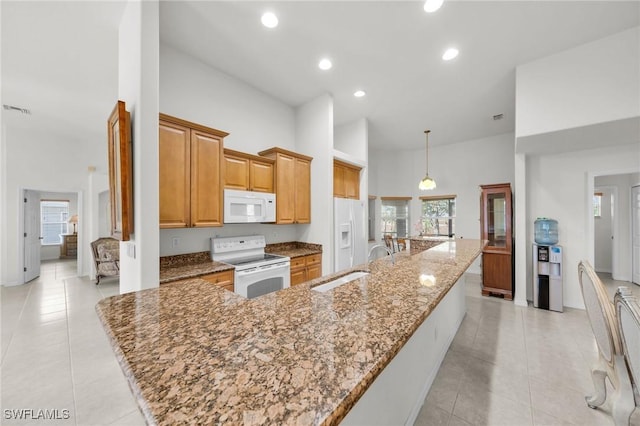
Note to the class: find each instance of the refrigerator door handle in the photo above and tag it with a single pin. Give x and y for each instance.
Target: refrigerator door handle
(353, 243)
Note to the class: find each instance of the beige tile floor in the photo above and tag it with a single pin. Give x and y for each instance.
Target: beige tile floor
(506, 366)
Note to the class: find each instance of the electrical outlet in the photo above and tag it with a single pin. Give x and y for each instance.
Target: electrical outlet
(175, 242)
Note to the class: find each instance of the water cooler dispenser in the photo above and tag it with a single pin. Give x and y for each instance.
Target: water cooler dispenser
(547, 266)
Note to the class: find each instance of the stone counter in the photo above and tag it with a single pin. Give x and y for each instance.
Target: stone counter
(294, 249)
(198, 354)
(419, 243)
(192, 265)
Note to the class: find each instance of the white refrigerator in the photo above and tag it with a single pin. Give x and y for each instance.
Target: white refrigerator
(350, 238)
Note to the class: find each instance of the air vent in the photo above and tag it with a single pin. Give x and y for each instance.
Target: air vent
(17, 109)
(498, 117)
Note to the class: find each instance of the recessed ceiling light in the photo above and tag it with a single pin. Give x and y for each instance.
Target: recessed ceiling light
(431, 6)
(269, 20)
(450, 54)
(325, 64)
(359, 93)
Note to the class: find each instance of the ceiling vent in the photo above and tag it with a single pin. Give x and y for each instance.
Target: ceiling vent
(17, 109)
(498, 117)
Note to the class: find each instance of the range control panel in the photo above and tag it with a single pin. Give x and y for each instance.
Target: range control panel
(233, 244)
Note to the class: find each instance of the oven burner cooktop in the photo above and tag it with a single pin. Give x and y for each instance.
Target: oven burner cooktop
(254, 259)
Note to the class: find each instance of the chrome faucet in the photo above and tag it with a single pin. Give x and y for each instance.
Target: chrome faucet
(389, 252)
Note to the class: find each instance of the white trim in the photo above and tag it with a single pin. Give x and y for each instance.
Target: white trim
(614, 207)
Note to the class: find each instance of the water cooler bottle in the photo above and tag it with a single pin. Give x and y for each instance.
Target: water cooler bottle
(547, 277)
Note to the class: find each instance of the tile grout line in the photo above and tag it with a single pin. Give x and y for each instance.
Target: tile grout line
(73, 385)
(526, 356)
(24, 304)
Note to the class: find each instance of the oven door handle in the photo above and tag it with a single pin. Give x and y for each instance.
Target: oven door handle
(263, 269)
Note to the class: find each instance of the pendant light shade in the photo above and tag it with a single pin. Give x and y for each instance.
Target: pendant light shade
(427, 183)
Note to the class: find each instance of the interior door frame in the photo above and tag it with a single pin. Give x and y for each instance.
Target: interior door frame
(590, 231)
(20, 229)
(632, 226)
(615, 226)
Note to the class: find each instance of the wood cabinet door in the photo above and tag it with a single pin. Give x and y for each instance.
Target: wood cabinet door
(314, 271)
(497, 274)
(221, 279)
(174, 175)
(285, 188)
(338, 181)
(206, 179)
(302, 186)
(261, 179)
(236, 173)
(352, 183)
(298, 276)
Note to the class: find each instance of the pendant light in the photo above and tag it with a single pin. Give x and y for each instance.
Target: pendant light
(427, 183)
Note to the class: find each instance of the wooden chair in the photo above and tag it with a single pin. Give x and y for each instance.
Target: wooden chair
(628, 315)
(106, 257)
(394, 244)
(604, 324)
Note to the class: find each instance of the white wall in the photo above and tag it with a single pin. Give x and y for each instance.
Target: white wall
(457, 169)
(314, 137)
(194, 91)
(138, 87)
(593, 83)
(577, 117)
(352, 138)
(58, 165)
(559, 186)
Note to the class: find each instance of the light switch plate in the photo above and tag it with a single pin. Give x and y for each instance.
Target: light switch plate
(131, 250)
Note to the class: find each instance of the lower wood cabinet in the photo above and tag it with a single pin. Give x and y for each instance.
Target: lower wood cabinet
(496, 274)
(69, 247)
(221, 279)
(305, 268)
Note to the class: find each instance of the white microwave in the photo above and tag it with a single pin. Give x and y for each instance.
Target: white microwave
(249, 206)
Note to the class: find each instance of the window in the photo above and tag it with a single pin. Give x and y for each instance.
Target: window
(54, 215)
(597, 204)
(395, 216)
(439, 215)
(372, 218)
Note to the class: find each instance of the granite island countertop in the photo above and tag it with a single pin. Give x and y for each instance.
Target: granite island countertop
(195, 353)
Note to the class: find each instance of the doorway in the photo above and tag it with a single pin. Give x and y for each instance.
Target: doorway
(604, 215)
(50, 230)
(615, 190)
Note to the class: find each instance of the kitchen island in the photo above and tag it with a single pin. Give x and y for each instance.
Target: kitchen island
(195, 353)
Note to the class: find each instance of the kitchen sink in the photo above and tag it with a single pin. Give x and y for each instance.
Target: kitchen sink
(340, 281)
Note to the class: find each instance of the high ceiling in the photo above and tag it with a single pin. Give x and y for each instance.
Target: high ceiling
(59, 59)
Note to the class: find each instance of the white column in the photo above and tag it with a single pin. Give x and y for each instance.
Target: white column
(138, 87)
(521, 244)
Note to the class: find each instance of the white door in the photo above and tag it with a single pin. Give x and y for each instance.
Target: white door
(635, 212)
(31, 235)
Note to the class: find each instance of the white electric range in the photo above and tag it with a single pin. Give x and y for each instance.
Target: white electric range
(256, 272)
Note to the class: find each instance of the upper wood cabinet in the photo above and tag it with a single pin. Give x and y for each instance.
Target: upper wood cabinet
(495, 227)
(292, 185)
(190, 168)
(346, 180)
(248, 172)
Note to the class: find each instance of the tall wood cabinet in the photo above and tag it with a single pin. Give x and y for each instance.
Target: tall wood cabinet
(190, 168)
(495, 227)
(346, 180)
(246, 172)
(292, 185)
